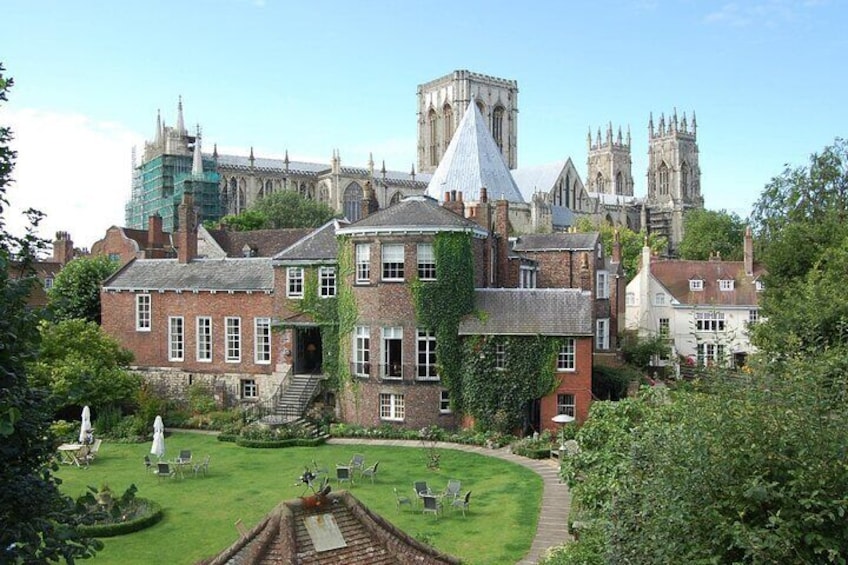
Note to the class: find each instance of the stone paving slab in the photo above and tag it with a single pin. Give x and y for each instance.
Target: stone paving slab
(552, 527)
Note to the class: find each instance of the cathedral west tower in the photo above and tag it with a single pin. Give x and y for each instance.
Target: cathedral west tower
(442, 103)
(609, 167)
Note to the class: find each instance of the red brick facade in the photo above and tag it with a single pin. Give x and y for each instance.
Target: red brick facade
(577, 382)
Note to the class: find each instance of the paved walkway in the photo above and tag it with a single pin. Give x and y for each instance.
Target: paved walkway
(552, 528)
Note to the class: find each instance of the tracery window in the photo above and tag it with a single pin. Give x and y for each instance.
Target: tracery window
(432, 122)
(664, 179)
(497, 126)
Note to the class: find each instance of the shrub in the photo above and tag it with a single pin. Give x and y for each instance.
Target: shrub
(103, 515)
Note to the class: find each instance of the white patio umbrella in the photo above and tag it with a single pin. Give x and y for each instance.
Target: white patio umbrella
(85, 428)
(158, 447)
(562, 419)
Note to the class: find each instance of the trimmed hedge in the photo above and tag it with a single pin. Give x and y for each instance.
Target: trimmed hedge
(138, 524)
(273, 444)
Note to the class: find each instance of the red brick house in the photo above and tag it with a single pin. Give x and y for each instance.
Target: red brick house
(125, 244)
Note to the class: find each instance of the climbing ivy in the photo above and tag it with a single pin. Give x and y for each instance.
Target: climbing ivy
(347, 311)
(324, 312)
(441, 304)
(497, 397)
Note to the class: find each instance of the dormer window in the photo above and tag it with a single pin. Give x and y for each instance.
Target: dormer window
(760, 286)
(696, 284)
(726, 284)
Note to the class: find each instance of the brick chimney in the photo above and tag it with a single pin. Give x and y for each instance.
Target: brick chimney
(483, 213)
(63, 248)
(187, 230)
(748, 252)
(155, 238)
(502, 241)
(616, 247)
(585, 275)
(453, 202)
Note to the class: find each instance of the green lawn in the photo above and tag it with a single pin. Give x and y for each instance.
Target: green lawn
(246, 483)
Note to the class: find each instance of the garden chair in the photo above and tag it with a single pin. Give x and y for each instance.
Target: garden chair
(344, 474)
(421, 489)
(357, 463)
(185, 456)
(165, 470)
(453, 488)
(462, 503)
(432, 504)
(202, 467)
(148, 464)
(370, 472)
(400, 500)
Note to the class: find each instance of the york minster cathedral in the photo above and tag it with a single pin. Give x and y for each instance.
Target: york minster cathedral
(467, 141)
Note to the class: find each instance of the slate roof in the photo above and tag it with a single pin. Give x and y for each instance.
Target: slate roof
(675, 275)
(413, 214)
(557, 242)
(614, 199)
(255, 274)
(273, 165)
(352, 534)
(393, 178)
(266, 243)
(538, 178)
(471, 161)
(319, 246)
(519, 311)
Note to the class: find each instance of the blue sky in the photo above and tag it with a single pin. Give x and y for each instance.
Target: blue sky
(766, 78)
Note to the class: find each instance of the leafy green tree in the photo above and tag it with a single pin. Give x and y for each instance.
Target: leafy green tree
(38, 524)
(631, 243)
(285, 209)
(708, 231)
(76, 289)
(80, 364)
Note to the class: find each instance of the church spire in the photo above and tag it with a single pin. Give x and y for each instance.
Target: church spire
(197, 158)
(180, 123)
(651, 124)
(157, 139)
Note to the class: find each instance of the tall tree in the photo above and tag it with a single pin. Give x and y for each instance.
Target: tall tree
(76, 289)
(708, 231)
(38, 524)
(286, 209)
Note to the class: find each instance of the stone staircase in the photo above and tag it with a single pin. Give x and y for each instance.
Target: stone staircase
(293, 401)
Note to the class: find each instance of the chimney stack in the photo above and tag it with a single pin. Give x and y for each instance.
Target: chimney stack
(63, 248)
(187, 231)
(748, 252)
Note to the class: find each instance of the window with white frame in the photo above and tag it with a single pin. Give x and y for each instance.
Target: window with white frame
(426, 354)
(696, 284)
(176, 339)
(760, 286)
(709, 321)
(527, 276)
(249, 389)
(232, 339)
(710, 354)
(602, 333)
(204, 339)
(262, 340)
(753, 316)
(392, 261)
(363, 262)
(726, 284)
(294, 282)
(392, 407)
(602, 280)
(630, 299)
(48, 283)
(426, 262)
(500, 356)
(659, 299)
(327, 281)
(444, 402)
(393, 353)
(664, 327)
(566, 404)
(142, 312)
(362, 351)
(567, 356)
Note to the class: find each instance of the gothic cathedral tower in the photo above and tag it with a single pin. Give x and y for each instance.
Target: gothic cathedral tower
(609, 165)
(442, 103)
(674, 176)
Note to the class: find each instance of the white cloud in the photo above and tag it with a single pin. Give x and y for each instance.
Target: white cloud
(770, 13)
(74, 169)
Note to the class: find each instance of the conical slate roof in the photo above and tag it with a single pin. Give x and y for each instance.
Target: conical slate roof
(471, 161)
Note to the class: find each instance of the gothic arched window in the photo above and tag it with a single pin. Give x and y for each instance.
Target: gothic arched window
(433, 124)
(599, 183)
(396, 197)
(497, 125)
(353, 202)
(269, 187)
(684, 179)
(619, 183)
(447, 121)
(481, 107)
(241, 198)
(663, 180)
